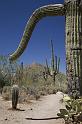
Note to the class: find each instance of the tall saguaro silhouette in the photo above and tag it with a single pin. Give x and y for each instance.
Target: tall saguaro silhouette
(72, 11)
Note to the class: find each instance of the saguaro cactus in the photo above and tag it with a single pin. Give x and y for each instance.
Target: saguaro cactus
(73, 44)
(55, 61)
(15, 94)
(53, 70)
(71, 9)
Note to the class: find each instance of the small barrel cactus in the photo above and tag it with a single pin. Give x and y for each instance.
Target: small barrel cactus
(15, 95)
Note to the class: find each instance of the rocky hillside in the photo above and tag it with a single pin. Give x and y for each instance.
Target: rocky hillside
(33, 76)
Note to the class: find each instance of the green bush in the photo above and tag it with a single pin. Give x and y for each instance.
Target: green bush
(72, 114)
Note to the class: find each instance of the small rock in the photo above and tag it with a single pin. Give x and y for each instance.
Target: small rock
(6, 119)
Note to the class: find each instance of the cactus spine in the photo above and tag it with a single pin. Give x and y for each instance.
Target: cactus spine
(15, 95)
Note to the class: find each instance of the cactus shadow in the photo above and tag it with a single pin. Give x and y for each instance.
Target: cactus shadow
(17, 109)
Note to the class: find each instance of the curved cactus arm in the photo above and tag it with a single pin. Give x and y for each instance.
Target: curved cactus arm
(48, 10)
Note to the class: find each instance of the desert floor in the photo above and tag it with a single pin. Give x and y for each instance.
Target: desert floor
(46, 106)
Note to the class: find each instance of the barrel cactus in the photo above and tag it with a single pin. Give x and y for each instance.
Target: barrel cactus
(15, 95)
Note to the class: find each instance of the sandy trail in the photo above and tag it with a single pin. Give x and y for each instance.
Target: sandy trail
(47, 106)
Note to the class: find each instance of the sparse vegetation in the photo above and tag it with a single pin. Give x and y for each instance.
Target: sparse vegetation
(33, 84)
(7, 71)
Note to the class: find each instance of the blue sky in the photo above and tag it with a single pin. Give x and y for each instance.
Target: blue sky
(14, 15)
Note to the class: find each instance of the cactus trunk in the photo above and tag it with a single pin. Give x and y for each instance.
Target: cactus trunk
(73, 46)
(52, 58)
(55, 62)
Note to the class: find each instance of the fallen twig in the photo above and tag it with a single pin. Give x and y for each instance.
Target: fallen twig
(44, 118)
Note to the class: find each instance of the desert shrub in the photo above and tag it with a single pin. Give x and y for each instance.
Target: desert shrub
(7, 71)
(6, 94)
(23, 97)
(33, 85)
(72, 114)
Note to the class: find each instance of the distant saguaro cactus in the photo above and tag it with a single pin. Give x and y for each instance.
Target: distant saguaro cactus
(55, 62)
(15, 94)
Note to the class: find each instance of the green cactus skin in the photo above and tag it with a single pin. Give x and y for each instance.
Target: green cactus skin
(58, 64)
(71, 9)
(52, 58)
(47, 68)
(15, 94)
(73, 46)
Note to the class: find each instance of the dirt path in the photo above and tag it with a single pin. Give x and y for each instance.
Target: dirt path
(47, 106)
